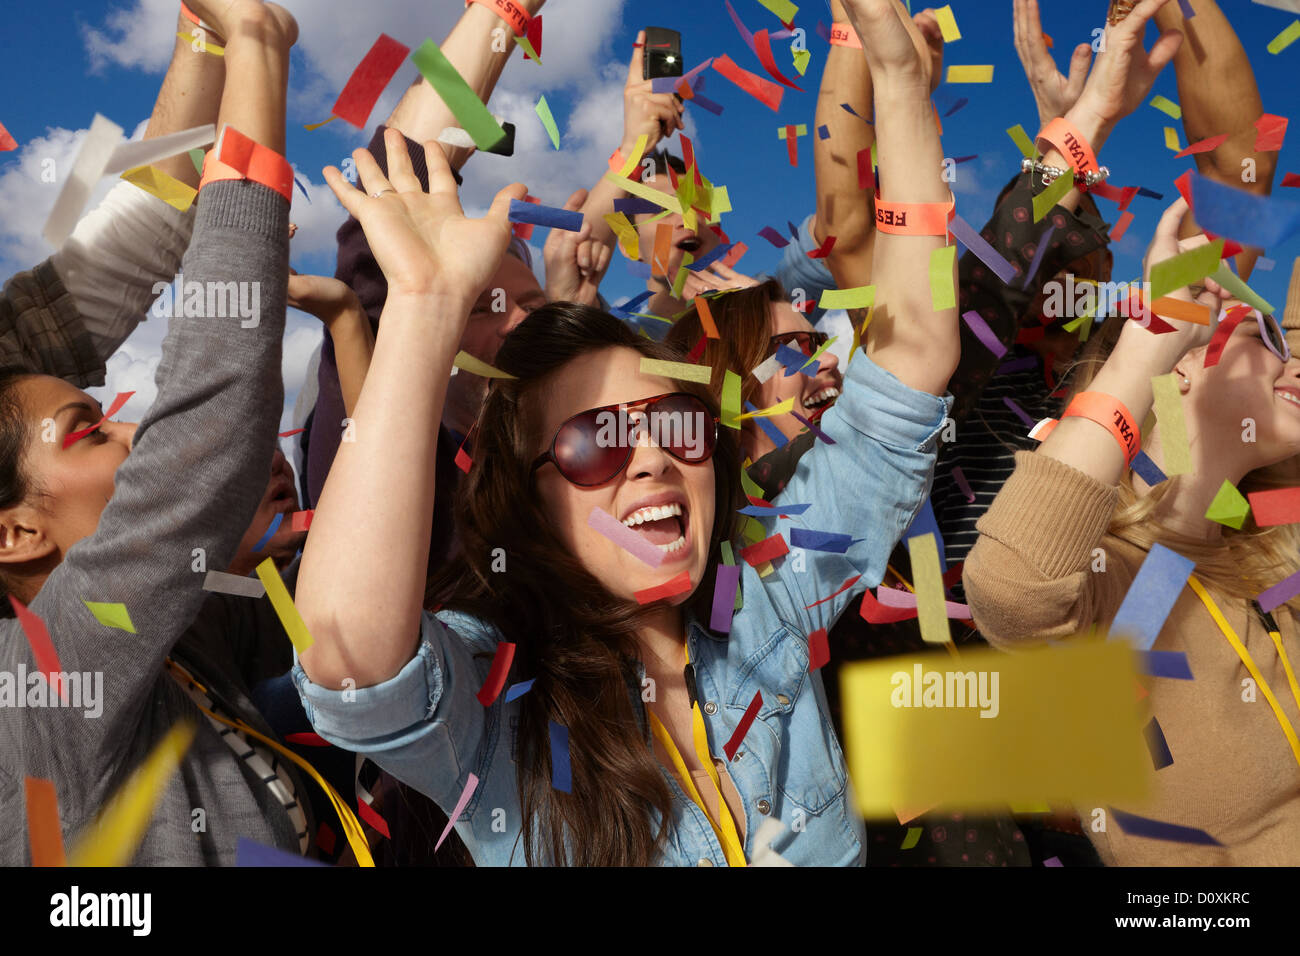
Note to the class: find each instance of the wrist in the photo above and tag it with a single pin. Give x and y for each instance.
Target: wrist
(1089, 124)
(1145, 352)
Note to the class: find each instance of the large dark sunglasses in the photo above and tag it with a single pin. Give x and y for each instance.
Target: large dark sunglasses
(593, 446)
(1273, 335)
(807, 342)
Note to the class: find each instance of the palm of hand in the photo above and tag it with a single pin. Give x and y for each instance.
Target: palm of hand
(420, 239)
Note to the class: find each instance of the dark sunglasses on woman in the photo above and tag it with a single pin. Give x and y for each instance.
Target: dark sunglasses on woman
(585, 456)
(806, 342)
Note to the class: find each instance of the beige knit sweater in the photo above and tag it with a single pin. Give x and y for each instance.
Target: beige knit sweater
(1029, 579)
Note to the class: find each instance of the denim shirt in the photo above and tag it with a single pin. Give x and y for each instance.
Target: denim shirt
(426, 727)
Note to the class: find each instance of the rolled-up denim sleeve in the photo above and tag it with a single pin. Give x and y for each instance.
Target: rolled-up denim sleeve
(425, 725)
(797, 271)
(869, 485)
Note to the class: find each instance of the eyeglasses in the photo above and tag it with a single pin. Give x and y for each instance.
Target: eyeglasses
(1270, 330)
(593, 446)
(807, 342)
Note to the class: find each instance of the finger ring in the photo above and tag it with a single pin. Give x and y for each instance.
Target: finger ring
(380, 192)
(1119, 9)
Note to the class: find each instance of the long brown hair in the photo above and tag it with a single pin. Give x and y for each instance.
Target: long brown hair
(577, 641)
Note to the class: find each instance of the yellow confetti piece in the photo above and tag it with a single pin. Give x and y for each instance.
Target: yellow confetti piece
(1229, 507)
(800, 130)
(668, 201)
(943, 292)
(111, 615)
(1167, 106)
(1035, 807)
(285, 609)
(721, 201)
(780, 408)
(635, 158)
(1022, 141)
(971, 74)
(859, 297)
(199, 43)
(731, 405)
(784, 9)
(1171, 139)
(1050, 196)
(169, 189)
(543, 111)
(468, 363)
(927, 581)
(628, 238)
(120, 826)
(947, 26)
(1065, 724)
(315, 126)
(1285, 38)
(1173, 427)
(913, 835)
(801, 61)
(679, 281)
(682, 371)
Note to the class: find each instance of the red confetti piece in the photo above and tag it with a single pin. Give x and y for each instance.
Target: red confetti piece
(1272, 132)
(742, 728)
(1204, 146)
(952, 575)
(44, 833)
(325, 838)
(819, 652)
(696, 352)
(496, 679)
(765, 91)
(763, 47)
(38, 637)
(1291, 180)
(792, 145)
(866, 178)
(524, 230)
(122, 399)
(1121, 227)
(732, 257)
(534, 34)
(463, 461)
(370, 816)
(290, 434)
(368, 80)
(873, 612)
(1214, 351)
(824, 250)
(1277, 506)
(766, 550)
(7, 142)
(842, 588)
(307, 739)
(301, 520)
(668, 589)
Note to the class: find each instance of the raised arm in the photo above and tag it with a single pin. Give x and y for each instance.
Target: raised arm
(339, 310)
(362, 579)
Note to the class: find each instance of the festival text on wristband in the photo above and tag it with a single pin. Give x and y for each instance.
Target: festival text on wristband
(1062, 134)
(915, 218)
(843, 34)
(238, 157)
(1110, 413)
(509, 11)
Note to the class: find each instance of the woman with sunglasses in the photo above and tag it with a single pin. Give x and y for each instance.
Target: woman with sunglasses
(626, 730)
(753, 325)
(1063, 541)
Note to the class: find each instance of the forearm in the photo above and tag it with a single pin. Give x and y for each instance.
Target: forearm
(190, 96)
(362, 581)
(600, 202)
(421, 114)
(354, 347)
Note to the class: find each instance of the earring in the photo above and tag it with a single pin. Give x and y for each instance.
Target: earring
(1187, 381)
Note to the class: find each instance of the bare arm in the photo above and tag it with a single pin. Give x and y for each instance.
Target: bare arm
(339, 309)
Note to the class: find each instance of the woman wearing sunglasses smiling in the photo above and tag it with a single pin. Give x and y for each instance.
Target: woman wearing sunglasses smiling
(619, 735)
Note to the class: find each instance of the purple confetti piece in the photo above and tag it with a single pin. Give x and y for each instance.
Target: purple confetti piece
(959, 477)
(1043, 242)
(1020, 412)
(1264, 264)
(956, 106)
(1280, 593)
(1156, 743)
(893, 597)
(823, 132)
(1135, 825)
(1022, 364)
(703, 102)
(814, 429)
(633, 542)
(251, 853)
(823, 31)
(743, 30)
(774, 237)
(724, 597)
(1150, 194)
(958, 160)
(975, 322)
(794, 230)
(1053, 861)
(982, 251)
(1170, 664)
(1188, 12)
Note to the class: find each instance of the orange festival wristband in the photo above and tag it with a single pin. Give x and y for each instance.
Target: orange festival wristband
(238, 157)
(843, 34)
(1110, 413)
(915, 218)
(509, 11)
(1070, 143)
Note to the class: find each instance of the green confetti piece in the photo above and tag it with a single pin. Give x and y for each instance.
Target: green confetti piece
(1053, 194)
(463, 102)
(111, 615)
(682, 371)
(1232, 282)
(1173, 427)
(731, 402)
(815, 358)
(913, 835)
(727, 556)
(1228, 507)
(1022, 141)
(1285, 38)
(800, 130)
(196, 157)
(753, 531)
(801, 61)
(527, 46)
(1180, 271)
(860, 297)
(784, 9)
(943, 291)
(1168, 107)
(682, 273)
(543, 110)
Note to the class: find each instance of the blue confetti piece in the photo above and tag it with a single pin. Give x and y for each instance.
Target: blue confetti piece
(639, 269)
(561, 771)
(1264, 264)
(958, 160)
(759, 511)
(1022, 364)
(1148, 470)
(251, 853)
(1151, 596)
(518, 690)
(1043, 242)
(926, 523)
(298, 182)
(772, 432)
(705, 103)
(958, 105)
(828, 541)
(1246, 217)
(1188, 12)
(546, 216)
(635, 206)
(1156, 743)
(708, 260)
(823, 132)
(1135, 825)
(849, 109)
(791, 360)
(1150, 193)
(1171, 664)
(794, 230)
(270, 532)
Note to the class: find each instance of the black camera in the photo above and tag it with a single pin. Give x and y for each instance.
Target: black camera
(663, 53)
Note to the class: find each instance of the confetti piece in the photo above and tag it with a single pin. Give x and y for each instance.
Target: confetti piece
(875, 611)
(301, 520)
(915, 733)
(828, 541)
(980, 248)
(1204, 146)
(112, 839)
(970, 74)
(475, 366)
(251, 853)
(543, 111)
(1229, 507)
(96, 151)
(1285, 38)
(463, 102)
(120, 400)
(1172, 664)
(801, 60)
(290, 619)
(1020, 412)
(774, 237)
(907, 600)
(561, 771)
(1053, 194)
(367, 82)
(742, 728)
(518, 690)
(772, 511)
(502, 658)
(724, 597)
(763, 50)
(1121, 227)
(1134, 825)
(670, 588)
(1280, 593)
(1168, 308)
(545, 216)
(307, 739)
(1186, 268)
(1271, 133)
(677, 370)
(44, 832)
(780, 408)
(1022, 141)
(1151, 597)
(1053, 861)
(769, 549)
(628, 238)
(43, 652)
(734, 256)
(196, 157)
(1173, 427)
(223, 583)
(785, 10)
(270, 531)
(471, 784)
(632, 206)
(948, 27)
(1171, 139)
(1278, 506)
(1167, 106)
(1232, 282)
(1291, 181)
(111, 614)
(1258, 220)
(1018, 365)
(633, 542)
(860, 297)
(463, 461)
(7, 142)
(1044, 241)
(928, 581)
(130, 156)
(813, 428)
(730, 406)
(765, 91)
(200, 43)
(912, 837)
(1148, 470)
(959, 478)
(943, 292)
(312, 127)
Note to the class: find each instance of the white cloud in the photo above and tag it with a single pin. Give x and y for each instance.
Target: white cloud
(317, 220)
(136, 37)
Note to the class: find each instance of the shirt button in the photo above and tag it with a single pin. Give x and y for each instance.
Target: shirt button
(764, 807)
(710, 708)
(783, 700)
(705, 863)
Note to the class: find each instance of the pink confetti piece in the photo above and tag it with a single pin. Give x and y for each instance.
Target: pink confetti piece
(959, 477)
(906, 600)
(470, 785)
(975, 322)
(630, 541)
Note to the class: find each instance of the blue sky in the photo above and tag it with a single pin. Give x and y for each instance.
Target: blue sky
(57, 75)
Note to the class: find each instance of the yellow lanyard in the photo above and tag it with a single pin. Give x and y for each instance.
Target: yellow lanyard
(1246, 659)
(725, 828)
(351, 825)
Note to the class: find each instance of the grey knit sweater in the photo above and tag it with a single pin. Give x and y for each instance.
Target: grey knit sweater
(193, 480)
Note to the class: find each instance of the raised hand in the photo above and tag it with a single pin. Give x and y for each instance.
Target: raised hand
(575, 263)
(1055, 94)
(1125, 72)
(325, 297)
(715, 277)
(1165, 245)
(424, 242)
(891, 42)
(930, 35)
(656, 115)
